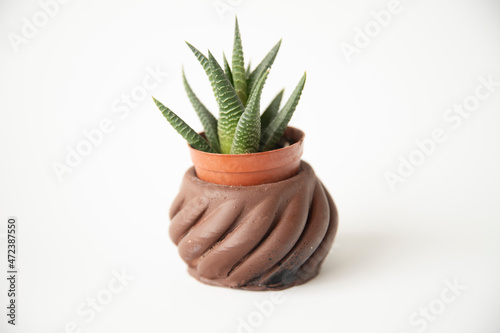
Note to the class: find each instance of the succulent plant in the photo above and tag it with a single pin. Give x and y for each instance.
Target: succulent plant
(240, 128)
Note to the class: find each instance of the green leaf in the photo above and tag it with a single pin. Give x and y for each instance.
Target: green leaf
(194, 139)
(271, 111)
(201, 58)
(248, 71)
(207, 119)
(229, 117)
(227, 70)
(275, 130)
(230, 106)
(239, 78)
(264, 64)
(247, 135)
(204, 63)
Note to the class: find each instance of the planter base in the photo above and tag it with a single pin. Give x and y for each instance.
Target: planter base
(265, 237)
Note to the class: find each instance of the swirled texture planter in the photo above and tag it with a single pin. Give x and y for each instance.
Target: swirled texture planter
(264, 237)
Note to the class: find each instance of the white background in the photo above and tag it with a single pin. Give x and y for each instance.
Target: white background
(395, 247)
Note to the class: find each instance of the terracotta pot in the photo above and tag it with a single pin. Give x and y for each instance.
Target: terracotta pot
(251, 169)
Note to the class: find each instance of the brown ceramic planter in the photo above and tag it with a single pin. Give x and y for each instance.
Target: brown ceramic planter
(271, 234)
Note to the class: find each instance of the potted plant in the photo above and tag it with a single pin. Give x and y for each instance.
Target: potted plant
(250, 214)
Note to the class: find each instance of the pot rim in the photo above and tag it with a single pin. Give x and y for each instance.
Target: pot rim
(260, 153)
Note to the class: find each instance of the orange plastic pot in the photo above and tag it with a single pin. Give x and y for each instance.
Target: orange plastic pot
(251, 169)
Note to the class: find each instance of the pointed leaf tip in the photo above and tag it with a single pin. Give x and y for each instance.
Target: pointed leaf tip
(238, 66)
(207, 119)
(274, 131)
(190, 135)
(265, 63)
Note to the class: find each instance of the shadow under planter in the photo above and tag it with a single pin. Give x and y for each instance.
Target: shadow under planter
(264, 237)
